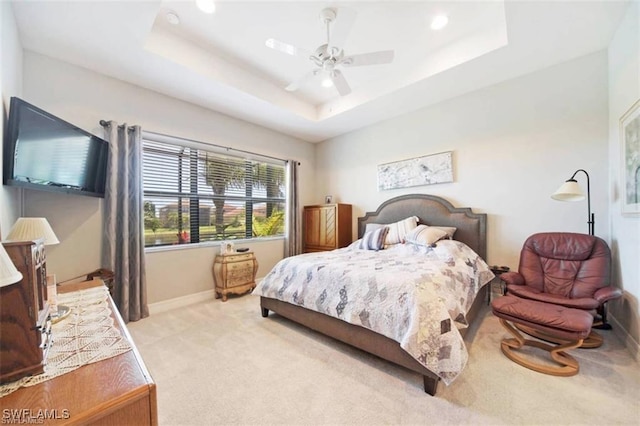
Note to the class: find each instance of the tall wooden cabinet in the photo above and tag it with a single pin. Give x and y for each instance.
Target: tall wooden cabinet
(327, 227)
(24, 313)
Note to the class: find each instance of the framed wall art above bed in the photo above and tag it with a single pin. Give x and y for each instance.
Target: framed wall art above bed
(425, 170)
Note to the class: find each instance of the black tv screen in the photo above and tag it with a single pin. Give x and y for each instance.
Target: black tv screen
(44, 152)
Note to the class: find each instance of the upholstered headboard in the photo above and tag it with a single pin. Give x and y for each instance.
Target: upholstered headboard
(434, 211)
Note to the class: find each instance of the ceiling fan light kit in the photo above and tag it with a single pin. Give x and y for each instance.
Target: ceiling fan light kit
(328, 57)
(207, 6)
(439, 22)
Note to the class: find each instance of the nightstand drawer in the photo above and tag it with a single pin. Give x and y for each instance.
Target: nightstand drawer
(240, 273)
(239, 257)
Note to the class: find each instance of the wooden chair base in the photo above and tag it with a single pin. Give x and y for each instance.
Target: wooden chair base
(593, 340)
(568, 366)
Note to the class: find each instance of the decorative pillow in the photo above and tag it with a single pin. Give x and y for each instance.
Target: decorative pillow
(425, 235)
(398, 230)
(373, 226)
(450, 230)
(373, 240)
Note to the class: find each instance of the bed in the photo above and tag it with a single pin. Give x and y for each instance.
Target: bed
(429, 210)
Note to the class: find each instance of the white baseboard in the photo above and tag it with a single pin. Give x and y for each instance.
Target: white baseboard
(625, 338)
(182, 301)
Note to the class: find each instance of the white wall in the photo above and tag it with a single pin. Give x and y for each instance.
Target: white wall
(10, 85)
(624, 90)
(514, 144)
(83, 98)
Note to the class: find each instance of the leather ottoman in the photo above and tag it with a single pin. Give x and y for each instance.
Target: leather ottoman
(567, 326)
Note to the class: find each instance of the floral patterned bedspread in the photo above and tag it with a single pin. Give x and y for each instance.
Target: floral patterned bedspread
(415, 295)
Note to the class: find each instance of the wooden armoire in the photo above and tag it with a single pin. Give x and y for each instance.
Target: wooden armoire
(327, 227)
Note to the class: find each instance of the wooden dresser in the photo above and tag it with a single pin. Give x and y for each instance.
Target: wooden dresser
(115, 391)
(327, 227)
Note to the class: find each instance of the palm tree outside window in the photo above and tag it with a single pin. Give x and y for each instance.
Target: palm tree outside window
(196, 194)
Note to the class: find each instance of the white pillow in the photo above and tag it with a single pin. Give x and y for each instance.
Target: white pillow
(398, 230)
(450, 230)
(425, 235)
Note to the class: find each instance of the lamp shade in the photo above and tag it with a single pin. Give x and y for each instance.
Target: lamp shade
(569, 191)
(8, 272)
(32, 228)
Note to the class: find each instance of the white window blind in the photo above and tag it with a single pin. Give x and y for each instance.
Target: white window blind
(195, 193)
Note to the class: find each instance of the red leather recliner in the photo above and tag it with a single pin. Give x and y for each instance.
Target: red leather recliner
(568, 269)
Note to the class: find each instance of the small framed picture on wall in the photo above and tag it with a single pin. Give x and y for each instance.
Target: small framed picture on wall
(328, 199)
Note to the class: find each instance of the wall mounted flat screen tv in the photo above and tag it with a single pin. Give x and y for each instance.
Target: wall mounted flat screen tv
(44, 152)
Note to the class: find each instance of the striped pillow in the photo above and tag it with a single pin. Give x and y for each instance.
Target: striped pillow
(398, 230)
(425, 235)
(373, 240)
(374, 226)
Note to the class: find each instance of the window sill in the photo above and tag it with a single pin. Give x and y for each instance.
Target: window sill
(210, 244)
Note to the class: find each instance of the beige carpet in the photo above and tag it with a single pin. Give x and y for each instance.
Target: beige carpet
(222, 363)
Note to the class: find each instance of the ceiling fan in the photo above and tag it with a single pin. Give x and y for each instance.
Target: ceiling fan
(330, 57)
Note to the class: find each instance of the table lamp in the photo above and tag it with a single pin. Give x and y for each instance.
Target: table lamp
(9, 274)
(34, 228)
(571, 191)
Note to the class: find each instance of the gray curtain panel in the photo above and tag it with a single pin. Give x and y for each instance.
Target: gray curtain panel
(293, 233)
(123, 239)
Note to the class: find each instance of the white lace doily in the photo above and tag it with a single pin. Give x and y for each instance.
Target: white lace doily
(85, 336)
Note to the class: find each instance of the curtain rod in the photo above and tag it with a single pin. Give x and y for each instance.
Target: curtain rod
(105, 123)
(162, 135)
(206, 144)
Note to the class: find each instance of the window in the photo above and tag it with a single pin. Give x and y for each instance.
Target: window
(206, 193)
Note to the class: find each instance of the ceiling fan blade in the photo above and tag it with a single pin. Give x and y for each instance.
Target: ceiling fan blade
(341, 27)
(295, 85)
(372, 58)
(286, 48)
(340, 83)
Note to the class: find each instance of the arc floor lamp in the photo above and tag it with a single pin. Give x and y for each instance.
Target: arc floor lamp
(571, 191)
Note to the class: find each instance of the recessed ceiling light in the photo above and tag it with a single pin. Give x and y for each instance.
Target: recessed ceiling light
(172, 17)
(439, 22)
(207, 6)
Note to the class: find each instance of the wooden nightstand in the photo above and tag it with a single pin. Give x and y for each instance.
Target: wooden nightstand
(497, 271)
(234, 273)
